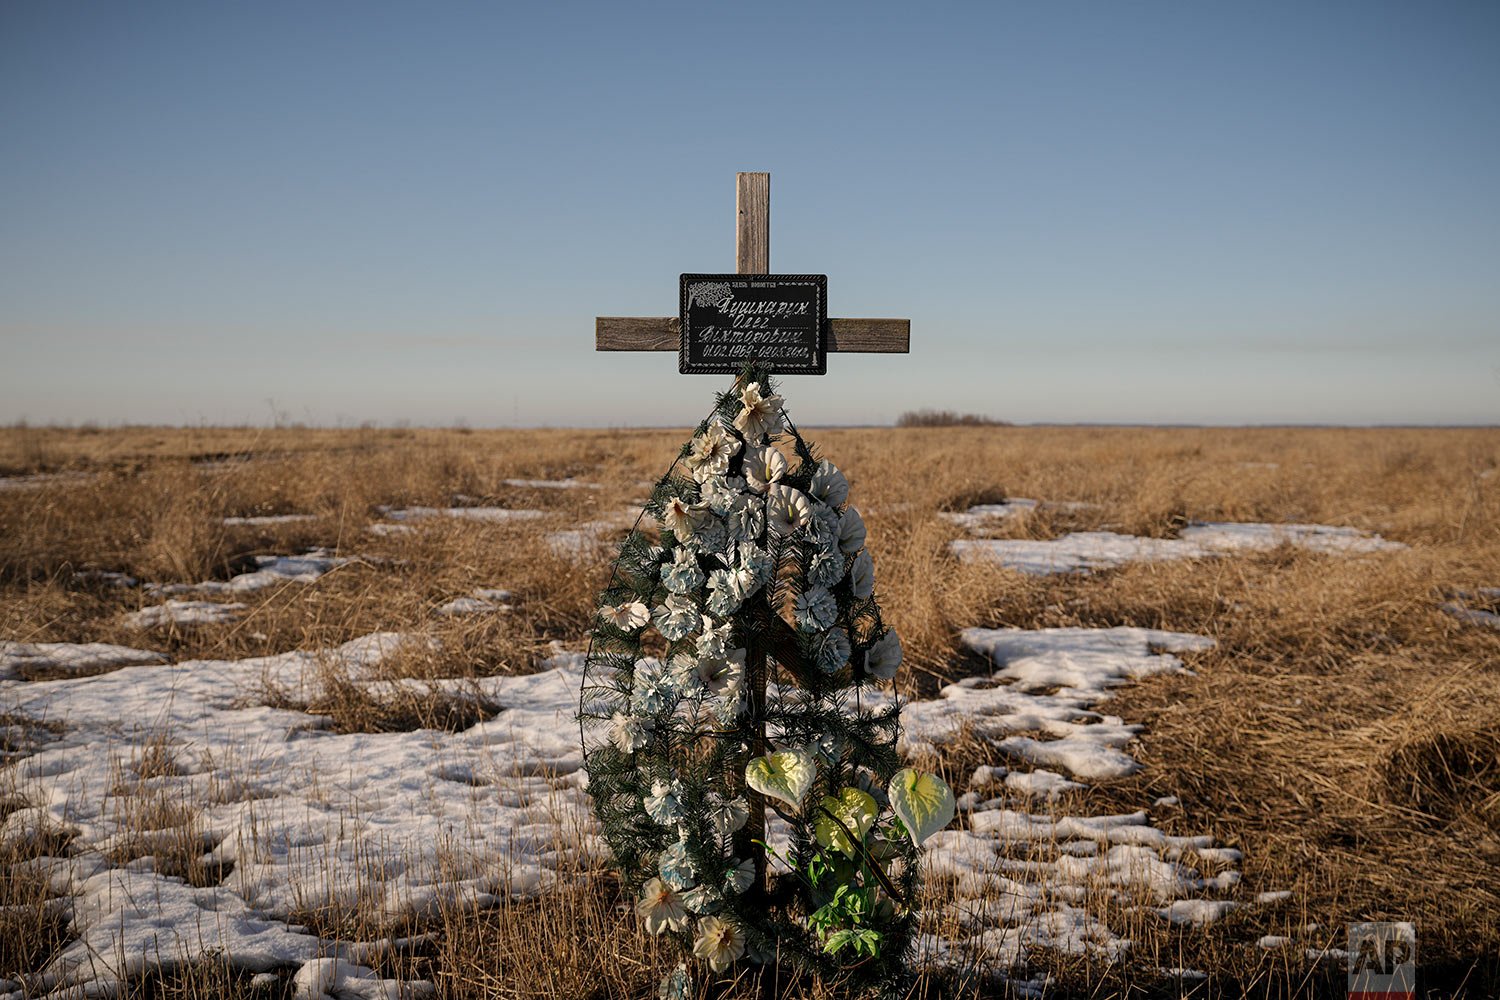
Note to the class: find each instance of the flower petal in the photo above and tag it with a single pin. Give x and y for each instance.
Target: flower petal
(855, 809)
(923, 801)
(786, 775)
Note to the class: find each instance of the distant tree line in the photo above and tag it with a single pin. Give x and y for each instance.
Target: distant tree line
(947, 418)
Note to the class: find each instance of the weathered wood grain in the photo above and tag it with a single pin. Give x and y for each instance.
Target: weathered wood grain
(752, 232)
(845, 336)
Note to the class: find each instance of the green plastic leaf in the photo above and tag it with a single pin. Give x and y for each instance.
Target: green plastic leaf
(924, 802)
(855, 809)
(784, 775)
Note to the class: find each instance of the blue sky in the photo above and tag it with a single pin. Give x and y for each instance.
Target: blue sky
(1207, 213)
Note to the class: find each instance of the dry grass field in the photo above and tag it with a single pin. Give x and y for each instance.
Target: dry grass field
(1343, 733)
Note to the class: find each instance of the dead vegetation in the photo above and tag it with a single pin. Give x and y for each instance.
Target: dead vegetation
(1344, 733)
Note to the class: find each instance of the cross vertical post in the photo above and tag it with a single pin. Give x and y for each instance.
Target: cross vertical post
(752, 255)
(752, 232)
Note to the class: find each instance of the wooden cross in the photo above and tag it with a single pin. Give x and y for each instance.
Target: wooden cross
(752, 254)
(770, 637)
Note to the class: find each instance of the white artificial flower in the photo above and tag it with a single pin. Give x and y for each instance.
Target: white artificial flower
(628, 732)
(740, 878)
(627, 617)
(862, 575)
(711, 451)
(832, 651)
(761, 414)
(826, 568)
(787, 509)
(815, 609)
(700, 901)
(681, 518)
(732, 703)
(682, 575)
(720, 942)
(654, 687)
(664, 804)
(724, 494)
(710, 538)
(764, 466)
(720, 673)
(828, 484)
(714, 642)
(747, 520)
(851, 531)
(728, 589)
(660, 907)
(757, 564)
(676, 619)
(884, 656)
(727, 816)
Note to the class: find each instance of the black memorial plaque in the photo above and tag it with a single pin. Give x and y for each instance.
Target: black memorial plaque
(776, 320)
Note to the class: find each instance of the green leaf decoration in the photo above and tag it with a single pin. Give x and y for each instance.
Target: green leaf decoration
(855, 809)
(784, 775)
(924, 802)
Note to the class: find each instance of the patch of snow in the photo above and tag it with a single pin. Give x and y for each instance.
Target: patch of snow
(128, 921)
(1086, 551)
(184, 613)
(461, 513)
(107, 577)
(399, 824)
(982, 514)
(1198, 912)
(1023, 879)
(41, 480)
(270, 571)
(384, 528)
(299, 811)
(1041, 784)
(265, 519)
(588, 540)
(336, 979)
(1473, 616)
(1275, 896)
(1270, 941)
(552, 484)
(68, 657)
(1166, 802)
(480, 602)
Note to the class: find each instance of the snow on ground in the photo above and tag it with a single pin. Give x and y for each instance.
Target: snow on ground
(109, 578)
(553, 484)
(483, 601)
(392, 823)
(39, 480)
(1024, 879)
(68, 657)
(1460, 607)
(981, 516)
(1085, 551)
(259, 520)
(589, 540)
(270, 571)
(461, 513)
(184, 613)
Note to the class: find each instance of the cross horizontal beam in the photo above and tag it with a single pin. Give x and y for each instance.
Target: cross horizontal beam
(846, 336)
